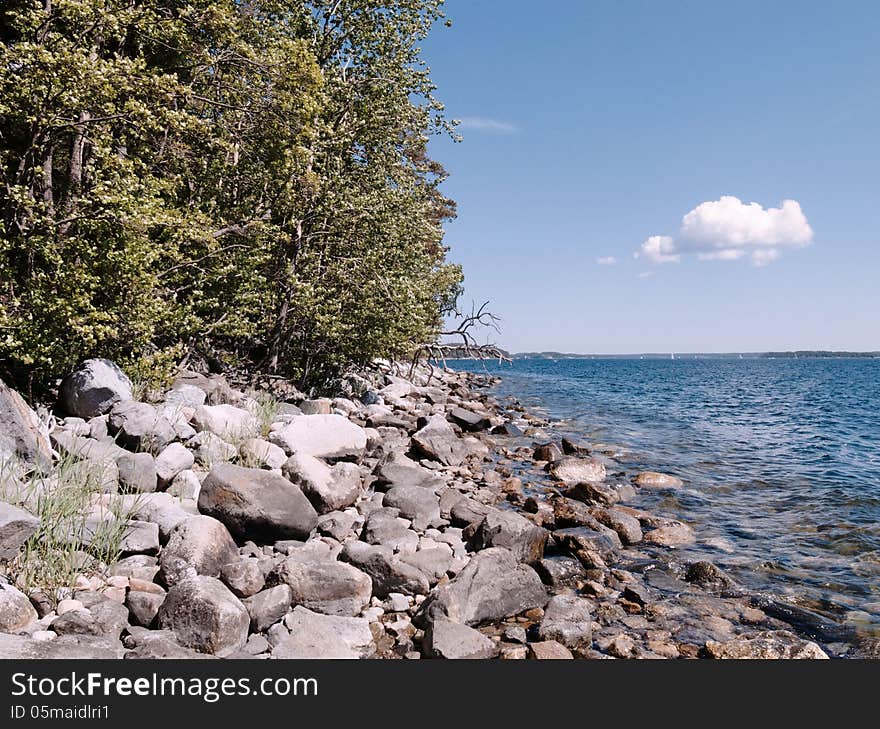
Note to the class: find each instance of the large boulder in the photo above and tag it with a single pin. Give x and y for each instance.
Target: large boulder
(16, 611)
(313, 635)
(257, 504)
(328, 488)
(323, 584)
(322, 436)
(199, 544)
(451, 640)
(140, 427)
(21, 433)
(204, 615)
(93, 388)
(16, 527)
(438, 441)
(388, 572)
(494, 585)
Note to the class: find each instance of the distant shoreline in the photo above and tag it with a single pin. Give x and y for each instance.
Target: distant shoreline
(800, 354)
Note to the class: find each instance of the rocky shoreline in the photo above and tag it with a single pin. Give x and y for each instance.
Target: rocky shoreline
(409, 517)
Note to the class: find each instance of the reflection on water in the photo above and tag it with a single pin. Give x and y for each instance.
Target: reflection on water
(781, 460)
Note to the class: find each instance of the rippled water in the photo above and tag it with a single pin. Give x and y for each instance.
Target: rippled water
(781, 460)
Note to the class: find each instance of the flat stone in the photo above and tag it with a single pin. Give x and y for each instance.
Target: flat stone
(577, 470)
(447, 639)
(549, 650)
(768, 645)
(71, 647)
(654, 480)
(313, 635)
(321, 436)
(469, 420)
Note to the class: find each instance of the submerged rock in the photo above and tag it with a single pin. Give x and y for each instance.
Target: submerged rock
(577, 470)
(654, 480)
(771, 644)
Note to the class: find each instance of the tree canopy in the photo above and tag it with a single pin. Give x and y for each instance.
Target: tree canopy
(247, 175)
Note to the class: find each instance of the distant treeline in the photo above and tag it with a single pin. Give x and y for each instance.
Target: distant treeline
(819, 354)
(824, 354)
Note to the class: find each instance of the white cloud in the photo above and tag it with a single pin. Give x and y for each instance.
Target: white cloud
(728, 229)
(660, 249)
(482, 124)
(606, 261)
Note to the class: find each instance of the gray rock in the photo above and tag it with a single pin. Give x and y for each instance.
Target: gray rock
(567, 620)
(627, 527)
(173, 460)
(321, 406)
(140, 427)
(447, 639)
(205, 616)
(210, 449)
(337, 524)
(185, 396)
(199, 543)
(186, 486)
(154, 644)
(438, 441)
(76, 622)
(509, 530)
(137, 472)
(399, 470)
(226, 421)
(110, 616)
(144, 606)
(268, 607)
(262, 454)
(313, 635)
(257, 504)
(93, 388)
(388, 572)
(561, 571)
(21, 433)
(16, 527)
(493, 585)
(16, 611)
(384, 526)
(243, 576)
(419, 505)
(327, 488)
(323, 584)
(468, 419)
(158, 508)
(321, 436)
(594, 549)
(433, 563)
(577, 470)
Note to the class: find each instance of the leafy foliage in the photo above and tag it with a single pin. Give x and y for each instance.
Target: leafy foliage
(245, 175)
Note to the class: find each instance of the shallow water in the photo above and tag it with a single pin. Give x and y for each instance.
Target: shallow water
(781, 460)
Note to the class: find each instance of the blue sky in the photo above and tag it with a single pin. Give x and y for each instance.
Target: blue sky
(591, 126)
